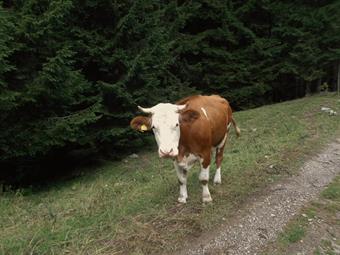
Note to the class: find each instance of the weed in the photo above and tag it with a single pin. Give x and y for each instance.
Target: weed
(293, 234)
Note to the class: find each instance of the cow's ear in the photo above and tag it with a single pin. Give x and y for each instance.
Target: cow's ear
(141, 123)
(188, 116)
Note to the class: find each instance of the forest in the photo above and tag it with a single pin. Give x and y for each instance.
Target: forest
(72, 72)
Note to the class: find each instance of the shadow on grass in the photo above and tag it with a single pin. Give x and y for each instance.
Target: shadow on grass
(58, 167)
(35, 174)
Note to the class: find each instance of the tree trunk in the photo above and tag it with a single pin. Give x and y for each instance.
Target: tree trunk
(318, 85)
(308, 88)
(296, 88)
(334, 79)
(301, 88)
(338, 82)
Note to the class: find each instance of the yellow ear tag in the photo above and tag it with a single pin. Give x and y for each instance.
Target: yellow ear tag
(143, 128)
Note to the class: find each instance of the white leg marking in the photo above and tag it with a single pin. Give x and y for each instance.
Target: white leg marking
(217, 177)
(206, 197)
(183, 194)
(204, 178)
(182, 178)
(204, 174)
(188, 161)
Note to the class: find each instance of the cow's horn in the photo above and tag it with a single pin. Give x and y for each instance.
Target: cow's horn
(181, 107)
(146, 110)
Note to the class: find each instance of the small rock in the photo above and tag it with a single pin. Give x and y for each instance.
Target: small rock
(134, 155)
(332, 113)
(263, 236)
(310, 220)
(272, 215)
(304, 215)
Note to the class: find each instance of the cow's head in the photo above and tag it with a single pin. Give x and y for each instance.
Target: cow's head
(165, 120)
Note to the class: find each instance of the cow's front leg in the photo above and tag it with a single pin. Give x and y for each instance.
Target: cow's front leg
(182, 180)
(204, 178)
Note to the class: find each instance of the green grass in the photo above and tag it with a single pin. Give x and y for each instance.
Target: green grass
(333, 190)
(294, 234)
(295, 230)
(130, 207)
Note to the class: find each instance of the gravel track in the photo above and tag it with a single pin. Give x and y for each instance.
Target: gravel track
(265, 216)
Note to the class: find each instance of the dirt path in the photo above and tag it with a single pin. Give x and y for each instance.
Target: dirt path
(264, 217)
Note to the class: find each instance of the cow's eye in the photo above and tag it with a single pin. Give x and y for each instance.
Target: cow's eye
(177, 124)
(153, 127)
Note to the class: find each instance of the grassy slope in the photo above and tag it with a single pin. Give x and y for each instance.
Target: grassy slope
(131, 206)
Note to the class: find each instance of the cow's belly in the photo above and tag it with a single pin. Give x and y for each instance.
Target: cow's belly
(222, 141)
(188, 161)
(218, 133)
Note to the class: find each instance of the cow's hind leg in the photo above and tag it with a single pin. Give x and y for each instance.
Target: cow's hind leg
(204, 178)
(219, 158)
(182, 180)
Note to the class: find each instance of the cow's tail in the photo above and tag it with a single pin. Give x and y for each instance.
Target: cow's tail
(238, 131)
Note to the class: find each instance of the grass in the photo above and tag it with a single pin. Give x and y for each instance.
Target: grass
(333, 191)
(294, 234)
(130, 207)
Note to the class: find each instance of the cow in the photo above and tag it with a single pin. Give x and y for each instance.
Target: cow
(189, 131)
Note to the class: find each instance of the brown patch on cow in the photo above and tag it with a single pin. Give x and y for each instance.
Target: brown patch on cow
(139, 122)
(186, 99)
(188, 116)
(204, 182)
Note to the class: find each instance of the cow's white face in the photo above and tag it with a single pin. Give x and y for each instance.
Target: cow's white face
(165, 126)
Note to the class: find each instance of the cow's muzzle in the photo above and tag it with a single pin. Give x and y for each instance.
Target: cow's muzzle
(166, 153)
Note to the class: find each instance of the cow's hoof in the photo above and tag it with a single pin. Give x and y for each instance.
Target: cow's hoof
(207, 199)
(217, 181)
(182, 200)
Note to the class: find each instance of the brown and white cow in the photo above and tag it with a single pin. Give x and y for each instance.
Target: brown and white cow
(189, 131)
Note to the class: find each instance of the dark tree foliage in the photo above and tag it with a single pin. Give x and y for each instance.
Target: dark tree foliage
(73, 71)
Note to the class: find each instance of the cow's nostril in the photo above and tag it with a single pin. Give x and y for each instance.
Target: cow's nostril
(162, 152)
